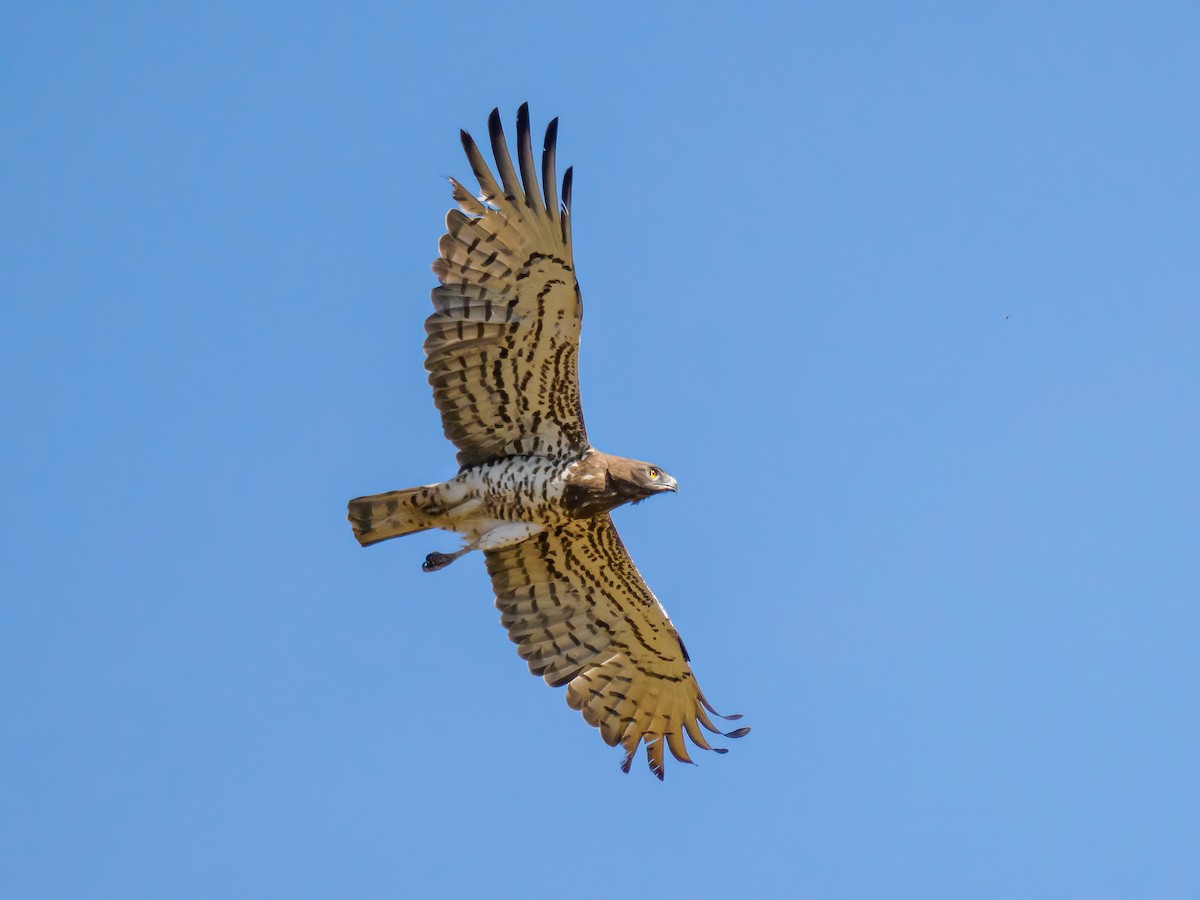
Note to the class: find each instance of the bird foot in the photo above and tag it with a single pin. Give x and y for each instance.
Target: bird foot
(435, 561)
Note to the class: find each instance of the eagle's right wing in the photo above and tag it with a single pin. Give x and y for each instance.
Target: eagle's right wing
(581, 615)
(502, 345)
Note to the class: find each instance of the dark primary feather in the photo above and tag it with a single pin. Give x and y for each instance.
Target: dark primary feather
(548, 148)
(533, 197)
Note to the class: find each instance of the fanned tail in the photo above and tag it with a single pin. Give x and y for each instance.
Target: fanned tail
(381, 517)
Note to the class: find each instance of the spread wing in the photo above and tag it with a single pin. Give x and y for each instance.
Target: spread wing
(581, 615)
(503, 343)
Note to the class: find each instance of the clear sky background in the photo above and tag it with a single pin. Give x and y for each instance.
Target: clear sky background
(905, 295)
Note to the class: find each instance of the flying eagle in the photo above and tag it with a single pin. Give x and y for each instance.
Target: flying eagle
(531, 492)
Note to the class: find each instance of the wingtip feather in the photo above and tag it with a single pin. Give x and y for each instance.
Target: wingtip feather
(525, 160)
(549, 186)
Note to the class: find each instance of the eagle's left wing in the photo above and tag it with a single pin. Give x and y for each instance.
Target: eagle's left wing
(503, 342)
(581, 615)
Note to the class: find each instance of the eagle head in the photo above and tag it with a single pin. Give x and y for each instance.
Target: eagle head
(648, 480)
(599, 482)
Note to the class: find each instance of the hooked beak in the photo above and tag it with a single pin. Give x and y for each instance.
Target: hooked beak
(670, 484)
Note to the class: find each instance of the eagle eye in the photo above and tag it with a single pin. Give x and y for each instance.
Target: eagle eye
(653, 473)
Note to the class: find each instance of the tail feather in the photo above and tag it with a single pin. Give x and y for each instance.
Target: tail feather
(380, 517)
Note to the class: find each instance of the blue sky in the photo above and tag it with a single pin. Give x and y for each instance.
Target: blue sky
(904, 295)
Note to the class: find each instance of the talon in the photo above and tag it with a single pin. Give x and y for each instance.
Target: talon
(435, 561)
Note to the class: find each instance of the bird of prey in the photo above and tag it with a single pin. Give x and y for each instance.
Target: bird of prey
(531, 492)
